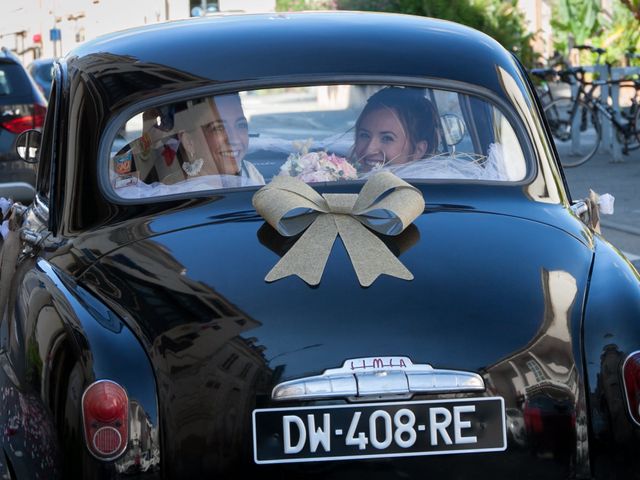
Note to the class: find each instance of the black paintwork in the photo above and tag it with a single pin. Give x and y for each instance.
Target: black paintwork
(168, 299)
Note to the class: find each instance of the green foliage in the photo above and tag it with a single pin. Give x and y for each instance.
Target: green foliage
(621, 34)
(298, 5)
(506, 23)
(574, 22)
(633, 6)
(578, 22)
(499, 19)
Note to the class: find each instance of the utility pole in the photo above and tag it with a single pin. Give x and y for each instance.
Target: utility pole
(55, 35)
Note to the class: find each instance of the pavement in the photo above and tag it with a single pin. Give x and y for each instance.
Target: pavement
(622, 180)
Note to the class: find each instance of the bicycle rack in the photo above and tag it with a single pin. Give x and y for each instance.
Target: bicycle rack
(612, 143)
(609, 138)
(602, 72)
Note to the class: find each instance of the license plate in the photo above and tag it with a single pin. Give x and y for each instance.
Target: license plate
(375, 430)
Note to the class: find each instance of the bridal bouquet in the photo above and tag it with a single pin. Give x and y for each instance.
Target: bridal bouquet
(317, 166)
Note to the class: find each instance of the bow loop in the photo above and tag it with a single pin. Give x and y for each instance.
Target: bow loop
(388, 204)
(385, 204)
(289, 205)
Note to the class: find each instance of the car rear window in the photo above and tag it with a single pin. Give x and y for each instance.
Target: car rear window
(13, 80)
(323, 133)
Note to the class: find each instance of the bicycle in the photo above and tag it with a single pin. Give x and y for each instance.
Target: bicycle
(565, 115)
(545, 77)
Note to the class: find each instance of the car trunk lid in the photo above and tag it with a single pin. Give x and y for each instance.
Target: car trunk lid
(493, 296)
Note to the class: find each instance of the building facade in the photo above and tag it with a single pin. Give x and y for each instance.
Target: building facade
(51, 28)
(538, 18)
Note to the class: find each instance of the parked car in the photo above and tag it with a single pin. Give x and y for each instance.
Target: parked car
(175, 303)
(22, 107)
(41, 70)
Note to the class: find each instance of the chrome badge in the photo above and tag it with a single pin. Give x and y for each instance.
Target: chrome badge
(378, 378)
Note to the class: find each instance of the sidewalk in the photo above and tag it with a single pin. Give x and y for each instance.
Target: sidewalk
(622, 180)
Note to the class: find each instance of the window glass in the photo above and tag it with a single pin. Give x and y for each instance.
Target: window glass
(319, 133)
(13, 80)
(44, 71)
(47, 147)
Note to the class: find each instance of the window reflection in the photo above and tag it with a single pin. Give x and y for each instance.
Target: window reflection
(315, 133)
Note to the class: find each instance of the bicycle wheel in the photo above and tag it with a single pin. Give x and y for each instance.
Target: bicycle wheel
(575, 129)
(544, 95)
(629, 107)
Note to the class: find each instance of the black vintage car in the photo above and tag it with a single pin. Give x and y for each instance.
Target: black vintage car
(317, 245)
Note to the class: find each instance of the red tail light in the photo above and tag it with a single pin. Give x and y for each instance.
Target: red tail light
(39, 112)
(18, 118)
(105, 410)
(631, 378)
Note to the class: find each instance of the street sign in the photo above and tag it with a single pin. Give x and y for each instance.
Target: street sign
(55, 34)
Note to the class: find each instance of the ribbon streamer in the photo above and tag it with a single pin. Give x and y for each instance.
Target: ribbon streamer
(386, 204)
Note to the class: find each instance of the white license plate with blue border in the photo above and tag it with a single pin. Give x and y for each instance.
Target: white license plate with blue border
(379, 430)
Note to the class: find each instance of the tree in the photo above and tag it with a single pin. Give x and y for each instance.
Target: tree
(577, 22)
(298, 5)
(633, 6)
(574, 22)
(621, 34)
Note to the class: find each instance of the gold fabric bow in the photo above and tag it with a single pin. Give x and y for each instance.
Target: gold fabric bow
(385, 204)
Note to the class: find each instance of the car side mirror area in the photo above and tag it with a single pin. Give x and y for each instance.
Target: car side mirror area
(28, 145)
(453, 128)
(590, 209)
(580, 210)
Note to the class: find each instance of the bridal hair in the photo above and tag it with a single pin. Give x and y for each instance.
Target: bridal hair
(415, 112)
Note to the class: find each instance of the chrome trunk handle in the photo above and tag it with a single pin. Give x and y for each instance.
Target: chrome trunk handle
(379, 378)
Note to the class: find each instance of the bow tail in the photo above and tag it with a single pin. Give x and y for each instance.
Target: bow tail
(369, 255)
(308, 256)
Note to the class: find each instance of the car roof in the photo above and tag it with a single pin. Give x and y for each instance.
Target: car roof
(41, 61)
(7, 56)
(22, 86)
(113, 77)
(247, 47)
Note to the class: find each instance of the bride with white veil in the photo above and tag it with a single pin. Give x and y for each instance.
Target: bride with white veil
(398, 131)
